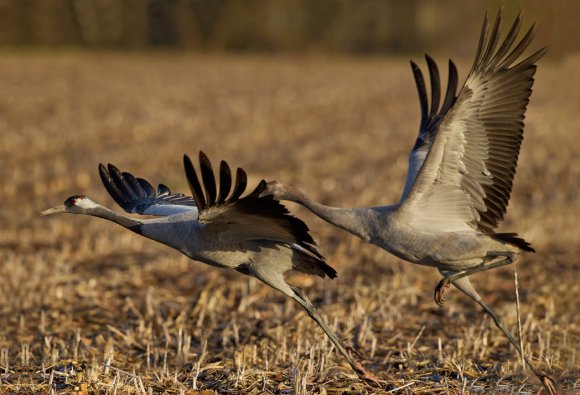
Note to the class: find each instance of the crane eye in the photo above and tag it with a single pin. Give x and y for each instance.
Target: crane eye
(72, 201)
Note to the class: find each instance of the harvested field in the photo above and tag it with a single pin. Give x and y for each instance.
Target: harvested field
(88, 306)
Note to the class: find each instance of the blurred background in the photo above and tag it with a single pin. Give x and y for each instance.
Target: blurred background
(345, 26)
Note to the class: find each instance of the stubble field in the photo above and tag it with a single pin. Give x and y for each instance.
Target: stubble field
(88, 306)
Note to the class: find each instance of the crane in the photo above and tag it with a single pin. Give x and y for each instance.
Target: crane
(252, 234)
(460, 172)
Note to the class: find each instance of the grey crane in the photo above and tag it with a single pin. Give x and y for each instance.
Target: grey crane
(253, 234)
(460, 172)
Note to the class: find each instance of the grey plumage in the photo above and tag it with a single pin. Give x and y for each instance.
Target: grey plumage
(253, 234)
(460, 172)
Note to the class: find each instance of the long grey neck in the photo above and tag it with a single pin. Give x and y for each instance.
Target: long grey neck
(353, 220)
(127, 222)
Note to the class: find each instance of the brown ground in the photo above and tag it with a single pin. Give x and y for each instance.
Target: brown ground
(87, 305)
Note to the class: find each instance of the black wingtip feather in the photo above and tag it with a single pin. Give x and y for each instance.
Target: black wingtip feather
(208, 178)
(163, 189)
(134, 184)
(111, 186)
(136, 195)
(430, 120)
(120, 182)
(225, 181)
(261, 187)
(421, 91)
(435, 85)
(451, 93)
(147, 187)
(240, 186)
(194, 184)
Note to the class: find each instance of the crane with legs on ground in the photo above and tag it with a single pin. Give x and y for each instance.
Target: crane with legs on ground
(460, 174)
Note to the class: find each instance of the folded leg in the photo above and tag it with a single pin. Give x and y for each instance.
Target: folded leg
(450, 277)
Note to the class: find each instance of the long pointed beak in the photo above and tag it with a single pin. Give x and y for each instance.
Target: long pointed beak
(56, 209)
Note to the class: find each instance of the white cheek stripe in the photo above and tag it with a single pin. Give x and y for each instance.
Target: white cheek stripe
(85, 203)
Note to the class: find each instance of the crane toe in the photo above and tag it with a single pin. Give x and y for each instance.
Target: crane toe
(359, 368)
(549, 384)
(440, 290)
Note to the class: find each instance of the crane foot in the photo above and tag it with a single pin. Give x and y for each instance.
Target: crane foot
(440, 290)
(353, 352)
(359, 368)
(549, 384)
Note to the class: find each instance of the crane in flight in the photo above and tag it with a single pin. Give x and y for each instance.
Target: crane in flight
(253, 234)
(460, 173)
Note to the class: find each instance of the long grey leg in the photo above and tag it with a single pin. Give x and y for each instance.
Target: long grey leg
(355, 363)
(274, 278)
(465, 286)
(450, 278)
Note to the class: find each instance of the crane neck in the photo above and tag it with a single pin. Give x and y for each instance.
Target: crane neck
(354, 220)
(105, 213)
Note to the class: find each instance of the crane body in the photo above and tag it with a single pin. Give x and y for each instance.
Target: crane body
(252, 234)
(460, 172)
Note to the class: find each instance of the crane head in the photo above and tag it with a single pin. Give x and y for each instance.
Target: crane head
(77, 204)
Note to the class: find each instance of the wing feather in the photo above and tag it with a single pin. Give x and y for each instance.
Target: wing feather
(137, 196)
(240, 187)
(468, 172)
(208, 179)
(421, 91)
(435, 85)
(429, 120)
(225, 181)
(452, 80)
(243, 218)
(194, 183)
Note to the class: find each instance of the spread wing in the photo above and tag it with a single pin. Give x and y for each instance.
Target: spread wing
(431, 119)
(235, 218)
(137, 196)
(466, 179)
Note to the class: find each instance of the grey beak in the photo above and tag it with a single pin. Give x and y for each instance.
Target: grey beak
(56, 209)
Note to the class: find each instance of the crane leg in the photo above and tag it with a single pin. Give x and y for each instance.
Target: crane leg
(273, 277)
(465, 286)
(351, 355)
(448, 279)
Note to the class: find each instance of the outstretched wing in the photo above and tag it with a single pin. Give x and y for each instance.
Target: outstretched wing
(431, 119)
(236, 218)
(136, 195)
(466, 179)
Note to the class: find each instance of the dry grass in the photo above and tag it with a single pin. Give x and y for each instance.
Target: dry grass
(88, 306)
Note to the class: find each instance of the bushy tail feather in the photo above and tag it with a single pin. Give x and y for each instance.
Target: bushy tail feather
(512, 238)
(327, 269)
(312, 262)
